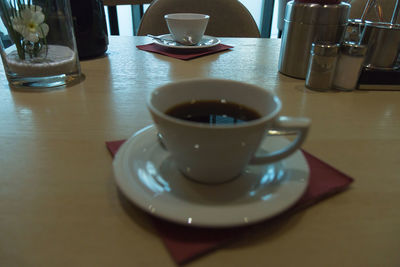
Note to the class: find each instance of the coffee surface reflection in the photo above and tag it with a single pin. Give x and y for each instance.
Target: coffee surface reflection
(213, 112)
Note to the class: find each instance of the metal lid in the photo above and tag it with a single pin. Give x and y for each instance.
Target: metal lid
(317, 14)
(353, 49)
(325, 49)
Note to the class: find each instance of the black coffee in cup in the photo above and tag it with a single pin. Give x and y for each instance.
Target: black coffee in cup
(213, 112)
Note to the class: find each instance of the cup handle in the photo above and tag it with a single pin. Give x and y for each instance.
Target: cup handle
(285, 125)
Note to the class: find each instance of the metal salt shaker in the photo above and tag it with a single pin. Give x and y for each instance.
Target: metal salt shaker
(321, 66)
(349, 65)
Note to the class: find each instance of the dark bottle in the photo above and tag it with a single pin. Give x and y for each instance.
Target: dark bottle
(90, 27)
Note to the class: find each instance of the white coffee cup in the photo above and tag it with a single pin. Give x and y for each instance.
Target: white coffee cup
(187, 28)
(217, 153)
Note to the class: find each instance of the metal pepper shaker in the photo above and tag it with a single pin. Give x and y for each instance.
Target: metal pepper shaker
(321, 66)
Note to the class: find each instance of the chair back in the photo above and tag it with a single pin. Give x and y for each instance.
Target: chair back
(228, 18)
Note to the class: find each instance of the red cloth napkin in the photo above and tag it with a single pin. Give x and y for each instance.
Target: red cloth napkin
(184, 54)
(187, 243)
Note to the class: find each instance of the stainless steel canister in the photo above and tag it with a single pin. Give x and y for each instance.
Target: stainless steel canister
(307, 23)
(383, 46)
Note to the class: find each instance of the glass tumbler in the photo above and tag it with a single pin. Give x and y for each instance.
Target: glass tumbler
(37, 43)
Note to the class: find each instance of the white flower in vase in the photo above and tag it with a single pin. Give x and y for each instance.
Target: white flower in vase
(26, 26)
(30, 24)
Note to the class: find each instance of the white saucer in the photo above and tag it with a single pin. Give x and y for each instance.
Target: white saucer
(206, 42)
(147, 175)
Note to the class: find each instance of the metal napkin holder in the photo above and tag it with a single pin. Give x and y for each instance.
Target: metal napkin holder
(381, 69)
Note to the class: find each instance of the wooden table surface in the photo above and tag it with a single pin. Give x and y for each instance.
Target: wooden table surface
(59, 205)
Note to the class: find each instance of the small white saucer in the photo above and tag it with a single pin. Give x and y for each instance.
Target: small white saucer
(206, 42)
(147, 175)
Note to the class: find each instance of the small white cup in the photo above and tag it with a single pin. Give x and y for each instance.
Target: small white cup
(218, 153)
(187, 28)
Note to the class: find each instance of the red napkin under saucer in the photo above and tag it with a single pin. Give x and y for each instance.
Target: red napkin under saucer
(184, 54)
(187, 243)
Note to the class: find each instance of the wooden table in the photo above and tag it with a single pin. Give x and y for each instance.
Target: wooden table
(59, 205)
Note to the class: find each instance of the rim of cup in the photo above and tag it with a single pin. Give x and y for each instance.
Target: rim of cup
(186, 16)
(262, 119)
